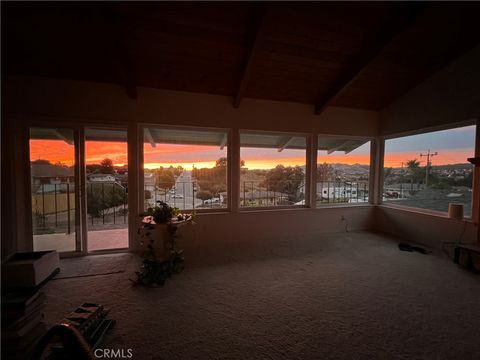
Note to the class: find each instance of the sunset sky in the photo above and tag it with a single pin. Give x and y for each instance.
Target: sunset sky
(453, 146)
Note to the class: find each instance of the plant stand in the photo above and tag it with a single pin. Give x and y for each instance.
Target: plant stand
(156, 272)
(161, 259)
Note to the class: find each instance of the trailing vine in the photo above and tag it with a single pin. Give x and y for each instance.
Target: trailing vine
(161, 259)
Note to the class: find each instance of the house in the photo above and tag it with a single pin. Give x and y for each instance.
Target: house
(342, 191)
(261, 197)
(101, 178)
(48, 177)
(149, 182)
(249, 91)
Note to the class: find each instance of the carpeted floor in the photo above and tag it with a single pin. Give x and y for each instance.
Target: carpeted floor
(342, 296)
(93, 265)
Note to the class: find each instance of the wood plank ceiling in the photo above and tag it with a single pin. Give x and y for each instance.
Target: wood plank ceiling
(355, 55)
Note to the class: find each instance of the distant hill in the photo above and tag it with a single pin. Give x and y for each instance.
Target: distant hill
(353, 168)
(462, 166)
(452, 166)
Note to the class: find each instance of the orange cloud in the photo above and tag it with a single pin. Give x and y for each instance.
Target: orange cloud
(96, 151)
(175, 148)
(56, 151)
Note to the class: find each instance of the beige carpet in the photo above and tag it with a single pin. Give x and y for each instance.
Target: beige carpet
(346, 296)
(93, 265)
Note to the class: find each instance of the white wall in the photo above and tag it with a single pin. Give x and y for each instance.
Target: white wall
(84, 101)
(419, 227)
(221, 237)
(73, 101)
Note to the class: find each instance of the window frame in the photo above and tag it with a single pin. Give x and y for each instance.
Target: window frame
(426, 130)
(308, 171)
(141, 157)
(371, 171)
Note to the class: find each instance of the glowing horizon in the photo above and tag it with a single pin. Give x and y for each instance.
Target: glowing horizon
(59, 152)
(395, 159)
(184, 165)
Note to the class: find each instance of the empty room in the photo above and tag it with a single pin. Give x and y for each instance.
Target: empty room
(240, 180)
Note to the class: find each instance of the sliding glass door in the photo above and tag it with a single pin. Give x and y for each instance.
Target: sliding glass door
(54, 189)
(106, 188)
(79, 189)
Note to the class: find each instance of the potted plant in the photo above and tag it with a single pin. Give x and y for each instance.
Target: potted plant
(158, 234)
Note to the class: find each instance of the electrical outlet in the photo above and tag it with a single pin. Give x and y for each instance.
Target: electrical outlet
(342, 218)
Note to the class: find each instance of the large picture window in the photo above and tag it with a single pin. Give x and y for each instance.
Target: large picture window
(430, 170)
(272, 169)
(185, 168)
(343, 170)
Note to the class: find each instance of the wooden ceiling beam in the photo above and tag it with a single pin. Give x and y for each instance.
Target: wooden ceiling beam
(400, 21)
(284, 143)
(223, 143)
(59, 134)
(338, 147)
(122, 57)
(257, 40)
(149, 138)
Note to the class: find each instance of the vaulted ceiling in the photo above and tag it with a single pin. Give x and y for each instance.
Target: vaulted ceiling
(355, 55)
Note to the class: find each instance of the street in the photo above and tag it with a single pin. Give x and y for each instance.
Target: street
(183, 198)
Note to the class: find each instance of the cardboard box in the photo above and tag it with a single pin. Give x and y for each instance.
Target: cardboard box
(29, 269)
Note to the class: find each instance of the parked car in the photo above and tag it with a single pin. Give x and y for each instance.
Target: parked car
(177, 196)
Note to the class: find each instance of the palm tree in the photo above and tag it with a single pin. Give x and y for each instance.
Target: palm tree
(413, 167)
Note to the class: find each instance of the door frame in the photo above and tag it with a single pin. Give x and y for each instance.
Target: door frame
(81, 230)
(79, 233)
(83, 140)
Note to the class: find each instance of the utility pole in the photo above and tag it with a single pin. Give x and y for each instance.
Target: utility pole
(428, 155)
(401, 182)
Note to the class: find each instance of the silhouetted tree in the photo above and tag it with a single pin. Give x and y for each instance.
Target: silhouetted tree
(204, 195)
(213, 180)
(94, 168)
(165, 177)
(413, 167)
(106, 166)
(103, 198)
(41, 162)
(325, 172)
(388, 175)
(285, 179)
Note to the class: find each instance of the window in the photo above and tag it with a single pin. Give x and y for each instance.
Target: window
(272, 169)
(343, 170)
(430, 170)
(185, 168)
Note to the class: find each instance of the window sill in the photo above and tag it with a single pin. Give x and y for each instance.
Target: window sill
(426, 212)
(300, 208)
(343, 206)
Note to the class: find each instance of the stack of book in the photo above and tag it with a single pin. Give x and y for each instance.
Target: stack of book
(22, 323)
